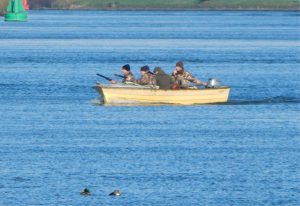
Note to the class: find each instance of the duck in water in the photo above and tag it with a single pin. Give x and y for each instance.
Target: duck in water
(115, 193)
(85, 192)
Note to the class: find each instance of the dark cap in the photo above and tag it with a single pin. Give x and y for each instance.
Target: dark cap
(180, 64)
(145, 68)
(126, 67)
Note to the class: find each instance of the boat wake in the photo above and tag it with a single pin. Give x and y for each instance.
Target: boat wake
(272, 100)
(96, 101)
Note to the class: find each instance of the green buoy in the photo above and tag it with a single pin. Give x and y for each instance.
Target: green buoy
(15, 11)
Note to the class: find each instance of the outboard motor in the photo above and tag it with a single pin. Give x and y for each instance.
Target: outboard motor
(213, 83)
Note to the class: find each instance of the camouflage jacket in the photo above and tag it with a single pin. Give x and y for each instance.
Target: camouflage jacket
(147, 79)
(128, 78)
(185, 78)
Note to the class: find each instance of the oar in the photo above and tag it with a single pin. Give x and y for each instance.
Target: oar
(104, 77)
(121, 76)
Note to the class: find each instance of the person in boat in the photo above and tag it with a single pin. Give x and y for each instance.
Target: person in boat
(147, 77)
(127, 75)
(184, 78)
(163, 80)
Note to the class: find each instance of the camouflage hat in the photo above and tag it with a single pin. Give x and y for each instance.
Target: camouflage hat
(180, 64)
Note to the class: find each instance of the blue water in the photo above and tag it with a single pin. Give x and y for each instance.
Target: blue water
(55, 139)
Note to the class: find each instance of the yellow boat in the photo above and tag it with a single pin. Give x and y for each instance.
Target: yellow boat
(136, 94)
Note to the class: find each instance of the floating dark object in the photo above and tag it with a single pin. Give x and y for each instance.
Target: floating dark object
(115, 193)
(85, 192)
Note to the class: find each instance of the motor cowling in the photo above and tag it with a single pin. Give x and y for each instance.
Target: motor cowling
(214, 83)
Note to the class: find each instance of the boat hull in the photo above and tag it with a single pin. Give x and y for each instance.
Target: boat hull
(132, 95)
